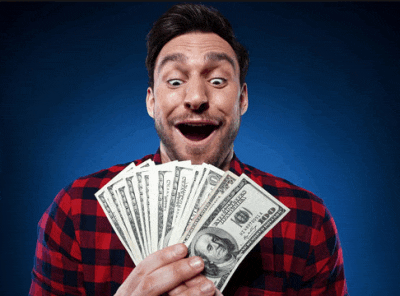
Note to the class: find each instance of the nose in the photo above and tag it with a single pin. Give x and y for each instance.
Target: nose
(196, 98)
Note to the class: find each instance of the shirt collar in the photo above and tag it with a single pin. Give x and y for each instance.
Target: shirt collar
(157, 156)
(237, 167)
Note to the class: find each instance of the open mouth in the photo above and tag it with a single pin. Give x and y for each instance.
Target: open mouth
(197, 132)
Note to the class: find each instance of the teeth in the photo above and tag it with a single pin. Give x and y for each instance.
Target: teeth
(194, 124)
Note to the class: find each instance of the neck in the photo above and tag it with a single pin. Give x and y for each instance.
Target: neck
(223, 164)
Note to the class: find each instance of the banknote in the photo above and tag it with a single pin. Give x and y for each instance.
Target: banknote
(199, 176)
(135, 208)
(133, 228)
(220, 216)
(116, 225)
(161, 179)
(210, 180)
(211, 176)
(113, 207)
(180, 184)
(214, 196)
(143, 211)
(113, 204)
(107, 205)
(127, 202)
(242, 217)
(116, 204)
(152, 232)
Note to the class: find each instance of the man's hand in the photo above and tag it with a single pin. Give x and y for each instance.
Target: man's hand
(168, 271)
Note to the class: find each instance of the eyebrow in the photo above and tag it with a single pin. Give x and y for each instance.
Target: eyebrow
(175, 57)
(181, 58)
(220, 56)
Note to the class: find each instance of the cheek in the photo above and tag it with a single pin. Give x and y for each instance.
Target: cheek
(213, 257)
(166, 101)
(229, 102)
(232, 110)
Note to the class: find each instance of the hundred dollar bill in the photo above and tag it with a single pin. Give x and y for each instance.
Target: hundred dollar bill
(182, 174)
(144, 209)
(114, 216)
(210, 179)
(123, 205)
(152, 242)
(189, 182)
(104, 189)
(242, 217)
(161, 178)
(105, 201)
(116, 204)
(116, 225)
(134, 246)
(223, 185)
(186, 205)
(218, 190)
(132, 183)
(134, 204)
(129, 216)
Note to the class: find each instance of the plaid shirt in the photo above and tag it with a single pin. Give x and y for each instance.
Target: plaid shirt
(78, 252)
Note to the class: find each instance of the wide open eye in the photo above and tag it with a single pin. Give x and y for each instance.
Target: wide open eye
(217, 81)
(175, 82)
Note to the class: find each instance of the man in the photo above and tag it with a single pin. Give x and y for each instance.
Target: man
(197, 96)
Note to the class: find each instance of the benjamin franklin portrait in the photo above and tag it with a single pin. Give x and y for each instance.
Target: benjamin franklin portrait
(217, 248)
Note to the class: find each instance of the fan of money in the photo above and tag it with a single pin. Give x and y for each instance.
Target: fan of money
(220, 216)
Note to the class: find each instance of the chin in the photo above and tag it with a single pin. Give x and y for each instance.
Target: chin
(197, 158)
(200, 155)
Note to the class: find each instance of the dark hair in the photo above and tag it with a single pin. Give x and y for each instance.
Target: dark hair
(185, 18)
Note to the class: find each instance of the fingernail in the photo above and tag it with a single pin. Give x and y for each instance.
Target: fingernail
(207, 287)
(196, 262)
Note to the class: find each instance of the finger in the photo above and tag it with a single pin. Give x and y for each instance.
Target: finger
(153, 262)
(204, 287)
(163, 257)
(178, 290)
(170, 276)
(195, 281)
(199, 280)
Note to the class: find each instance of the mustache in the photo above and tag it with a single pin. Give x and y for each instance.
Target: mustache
(194, 117)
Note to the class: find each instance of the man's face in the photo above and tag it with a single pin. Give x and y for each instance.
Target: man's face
(213, 248)
(197, 100)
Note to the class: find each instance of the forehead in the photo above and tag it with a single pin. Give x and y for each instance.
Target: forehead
(196, 47)
(204, 239)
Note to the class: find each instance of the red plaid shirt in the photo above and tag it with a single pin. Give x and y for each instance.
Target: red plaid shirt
(78, 252)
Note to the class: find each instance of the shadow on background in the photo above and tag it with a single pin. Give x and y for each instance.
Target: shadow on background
(324, 106)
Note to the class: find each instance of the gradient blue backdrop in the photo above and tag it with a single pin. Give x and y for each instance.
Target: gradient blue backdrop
(324, 106)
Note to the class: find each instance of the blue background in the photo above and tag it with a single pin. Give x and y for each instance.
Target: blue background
(324, 113)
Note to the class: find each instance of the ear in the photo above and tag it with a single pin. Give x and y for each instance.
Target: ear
(244, 99)
(150, 102)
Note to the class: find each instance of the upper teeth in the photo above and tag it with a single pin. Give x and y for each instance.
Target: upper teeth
(197, 124)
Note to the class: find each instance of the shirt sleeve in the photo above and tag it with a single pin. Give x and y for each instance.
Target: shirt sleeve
(57, 267)
(324, 273)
